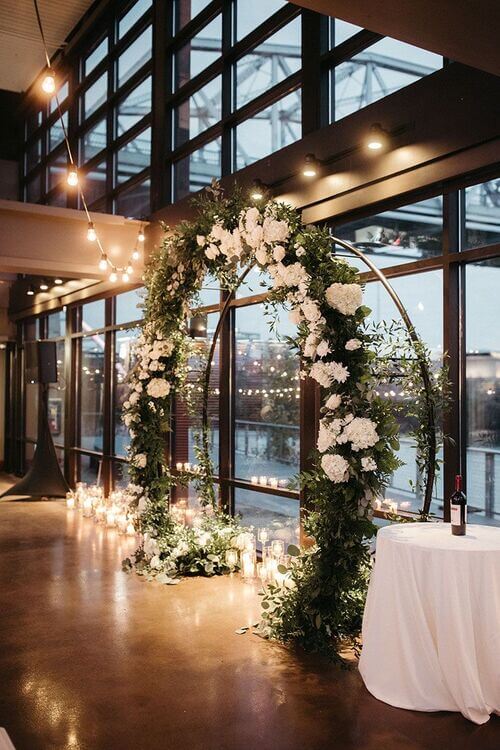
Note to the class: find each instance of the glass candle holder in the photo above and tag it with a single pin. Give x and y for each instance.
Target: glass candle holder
(263, 536)
(277, 547)
(231, 558)
(70, 501)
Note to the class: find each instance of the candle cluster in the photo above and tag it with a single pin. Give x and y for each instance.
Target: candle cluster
(264, 481)
(386, 505)
(113, 512)
(187, 467)
(189, 516)
(273, 565)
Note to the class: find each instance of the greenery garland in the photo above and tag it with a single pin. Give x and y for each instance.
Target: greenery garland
(321, 602)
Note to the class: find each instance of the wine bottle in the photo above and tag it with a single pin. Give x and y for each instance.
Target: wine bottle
(458, 506)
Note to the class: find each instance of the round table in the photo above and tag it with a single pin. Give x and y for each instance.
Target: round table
(431, 628)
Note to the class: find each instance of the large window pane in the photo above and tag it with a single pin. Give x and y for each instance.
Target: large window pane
(402, 235)
(269, 130)
(135, 56)
(250, 15)
(93, 315)
(204, 48)
(92, 392)
(280, 515)
(95, 57)
(199, 112)
(124, 361)
(422, 295)
(127, 306)
(33, 189)
(270, 63)
(56, 324)
(90, 469)
(134, 107)
(483, 391)
(62, 95)
(33, 154)
(95, 183)
(57, 170)
(482, 214)
(134, 156)
(378, 71)
(137, 10)
(341, 31)
(197, 169)
(56, 132)
(93, 141)
(134, 201)
(94, 96)
(185, 10)
(267, 399)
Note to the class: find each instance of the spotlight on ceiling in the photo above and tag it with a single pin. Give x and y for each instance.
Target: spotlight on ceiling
(257, 191)
(30, 291)
(311, 166)
(377, 138)
(58, 282)
(43, 285)
(49, 81)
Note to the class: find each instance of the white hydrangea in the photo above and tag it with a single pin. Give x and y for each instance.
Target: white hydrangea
(158, 388)
(212, 252)
(333, 402)
(346, 298)
(335, 467)
(368, 464)
(140, 460)
(328, 433)
(326, 372)
(353, 344)
(275, 230)
(361, 432)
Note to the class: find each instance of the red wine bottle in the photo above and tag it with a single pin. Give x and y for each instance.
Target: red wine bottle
(458, 506)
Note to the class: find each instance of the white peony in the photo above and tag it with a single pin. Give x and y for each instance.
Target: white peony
(346, 298)
(274, 230)
(140, 460)
(368, 464)
(328, 433)
(361, 433)
(323, 348)
(353, 344)
(158, 388)
(326, 372)
(333, 402)
(310, 310)
(279, 253)
(335, 467)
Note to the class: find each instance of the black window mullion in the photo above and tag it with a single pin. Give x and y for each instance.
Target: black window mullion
(227, 73)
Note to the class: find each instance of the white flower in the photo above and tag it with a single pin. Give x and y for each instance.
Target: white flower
(326, 372)
(134, 398)
(300, 251)
(361, 433)
(140, 460)
(328, 433)
(346, 298)
(274, 230)
(155, 562)
(353, 344)
(261, 255)
(212, 252)
(200, 240)
(158, 388)
(138, 387)
(335, 467)
(279, 253)
(310, 310)
(127, 420)
(322, 349)
(333, 402)
(141, 505)
(368, 464)
(126, 404)
(294, 274)
(295, 316)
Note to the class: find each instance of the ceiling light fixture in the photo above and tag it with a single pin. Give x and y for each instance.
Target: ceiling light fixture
(377, 138)
(43, 285)
(30, 291)
(125, 277)
(58, 282)
(258, 190)
(311, 166)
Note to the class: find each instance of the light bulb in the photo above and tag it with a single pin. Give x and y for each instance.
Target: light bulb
(31, 291)
(103, 263)
(113, 277)
(130, 270)
(125, 277)
(49, 82)
(43, 285)
(136, 255)
(311, 166)
(58, 282)
(72, 177)
(91, 234)
(141, 236)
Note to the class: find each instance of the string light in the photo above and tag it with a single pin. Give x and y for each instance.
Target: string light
(31, 290)
(141, 236)
(136, 254)
(58, 282)
(91, 233)
(72, 176)
(113, 277)
(103, 263)
(130, 270)
(49, 82)
(125, 277)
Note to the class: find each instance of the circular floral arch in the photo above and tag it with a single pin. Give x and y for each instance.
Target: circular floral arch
(322, 600)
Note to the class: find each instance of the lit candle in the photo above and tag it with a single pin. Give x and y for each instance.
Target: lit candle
(231, 558)
(263, 536)
(70, 500)
(254, 480)
(111, 516)
(262, 572)
(130, 529)
(179, 466)
(100, 512)
(271, 568)
(263, 480)
(187, 466)
(87, 506)
(122, 522)
(248, 564)
(277, 547)
(273, 482)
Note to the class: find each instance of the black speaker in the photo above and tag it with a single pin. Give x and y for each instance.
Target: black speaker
(41, 361)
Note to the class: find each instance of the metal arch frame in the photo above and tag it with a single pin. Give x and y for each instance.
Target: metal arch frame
(414, 338)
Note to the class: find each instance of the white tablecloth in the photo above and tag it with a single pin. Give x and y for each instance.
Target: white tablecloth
(431, 628)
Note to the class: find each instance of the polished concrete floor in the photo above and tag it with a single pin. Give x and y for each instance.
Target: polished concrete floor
(94, 659)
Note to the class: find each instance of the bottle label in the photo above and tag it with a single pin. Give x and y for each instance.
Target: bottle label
(456, 518)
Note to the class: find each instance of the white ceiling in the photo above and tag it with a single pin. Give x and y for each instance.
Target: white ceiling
(21, 50)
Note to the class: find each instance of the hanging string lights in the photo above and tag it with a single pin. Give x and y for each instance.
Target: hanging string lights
(49, 86)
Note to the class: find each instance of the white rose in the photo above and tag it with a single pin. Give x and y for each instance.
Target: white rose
(335, 467)
(353, 344)
(346, 298)
(140, 460)
(200, 240)
(326, 372)
(212, 252)
(158, 388)
(333, 402)
(134, 398)
(322, 349)
(261, 255)
(311, 310)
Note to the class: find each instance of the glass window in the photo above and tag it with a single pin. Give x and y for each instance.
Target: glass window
(136, 12)
(95, 183)
(62, 95)
(385, 67)
(90, 469)
(482, 342)
(33, 121)
(34, 189)
(267, 402)
(134, 201)
(121, 478)
(185, 10)
(197, 54)
(56, 324)
(198, 169)
(422, 295)
(33, 154)
(95, 57)
(250, 15)
(91, 410)
(56, 397)
(134, 156)
(341, 31)
(93, 141)
(403, 235)
(56, 132)
(124, 362)
(94, 96)
(482, 214)
(134, 107)
(135, 56)
(270, 63)
(269, 130)
(57, 170)
(127, 306)
(93, 315)
(280, 515)
(199, 112)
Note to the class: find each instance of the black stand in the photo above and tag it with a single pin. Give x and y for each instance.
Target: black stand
(44, 479)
